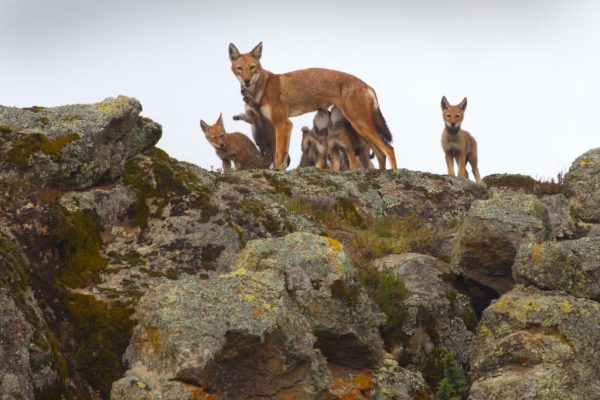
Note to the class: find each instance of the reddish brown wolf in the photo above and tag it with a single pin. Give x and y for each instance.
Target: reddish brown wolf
(281, 96)
(458, 144)
(233, 147)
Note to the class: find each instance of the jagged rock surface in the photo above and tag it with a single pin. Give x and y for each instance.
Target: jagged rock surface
(582, 184)
(74, 146)
(569, 265)
(438, 316)
(537, 345)
(491, 234)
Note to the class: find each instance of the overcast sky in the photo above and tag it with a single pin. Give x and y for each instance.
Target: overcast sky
(530, 69)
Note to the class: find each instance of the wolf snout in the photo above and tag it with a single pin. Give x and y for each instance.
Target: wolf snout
(247, 82)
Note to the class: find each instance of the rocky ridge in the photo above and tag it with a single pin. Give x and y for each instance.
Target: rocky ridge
(127, 274)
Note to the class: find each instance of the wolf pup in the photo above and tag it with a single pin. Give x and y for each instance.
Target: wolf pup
(314, 142)
(233, 147)
(281, 96)
(458, 144)
(347, 149)
(263, 132)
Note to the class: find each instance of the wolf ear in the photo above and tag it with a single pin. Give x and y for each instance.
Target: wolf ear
(257, 51)
(463, 104)
(204, 126)
(234, 53)
(445, 103)
(220, 121)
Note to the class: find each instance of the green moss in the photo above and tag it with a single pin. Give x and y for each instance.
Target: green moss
(35, 109)
(14, 278)
(209, 254)
(390, 295)
(100, 334)
(339, 290)
(77, 238)
(5, 129)
(256, 209)
(172, 274)
(526, 184)
(43, 120)
(277, 183)
(161, 181)
(28, 144)
(133, 258)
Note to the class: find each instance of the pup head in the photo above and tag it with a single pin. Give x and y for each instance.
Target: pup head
(246, 67)
(215, 134)
(453, 115)
(321, 122)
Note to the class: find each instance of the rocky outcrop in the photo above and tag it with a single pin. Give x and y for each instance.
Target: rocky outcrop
(582, 184)
(200, 331)
(237, 295)
(491, 234)
(438, 317)
(265, 320)
(570, 265)
(76, 146)
(324, 285)
(537, 345)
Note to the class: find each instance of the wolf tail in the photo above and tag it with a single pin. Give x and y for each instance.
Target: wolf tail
(381, 126)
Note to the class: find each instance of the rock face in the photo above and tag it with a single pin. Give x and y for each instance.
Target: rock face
(73, 147)
(582, 184)
(235, 295)
(265, 320)
(29, 366)
(537, 345)
(570, 265)
(492, 233)
(324, 285)
(438, 317)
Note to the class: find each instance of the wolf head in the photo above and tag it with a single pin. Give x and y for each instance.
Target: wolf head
(453, 115)
(246, 67)
(215, 134)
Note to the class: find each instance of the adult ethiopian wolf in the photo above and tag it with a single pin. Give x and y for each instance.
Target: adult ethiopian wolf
(281, 96)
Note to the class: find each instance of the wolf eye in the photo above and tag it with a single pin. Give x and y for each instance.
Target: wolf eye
(239, 68)
(252, 67)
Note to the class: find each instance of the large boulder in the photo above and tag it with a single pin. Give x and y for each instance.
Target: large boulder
(236, 336)
(569, 265)
(582, 183)
(324, 285)
(267, 328)
(491, 234)
(74, 146)
(438, 317)
(533, 344)
(562, 224)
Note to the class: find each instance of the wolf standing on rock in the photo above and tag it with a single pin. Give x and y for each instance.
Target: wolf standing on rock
(458, 144)
(281, 96)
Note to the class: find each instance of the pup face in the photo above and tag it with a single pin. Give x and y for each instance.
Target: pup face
(453, 115)
(246, 67)
(215, 134)
(321, 122)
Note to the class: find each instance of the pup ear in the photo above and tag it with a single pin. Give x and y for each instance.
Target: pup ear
(445, 103)
(257, 51)
(234, 53)
(204, 126)
(220, 120)
(463, 104)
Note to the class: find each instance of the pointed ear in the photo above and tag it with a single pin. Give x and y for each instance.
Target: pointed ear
(463, 104)
(257, 51)
(445, 103)
(220, 121)
(234, 53)
(204, 126)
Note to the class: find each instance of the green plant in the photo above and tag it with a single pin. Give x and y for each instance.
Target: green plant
(454, 385)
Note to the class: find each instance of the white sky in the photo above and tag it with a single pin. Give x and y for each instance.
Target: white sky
(530, 69)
